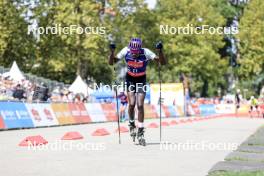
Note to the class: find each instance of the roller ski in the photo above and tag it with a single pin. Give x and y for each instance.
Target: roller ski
(140, 137)
(132, 130)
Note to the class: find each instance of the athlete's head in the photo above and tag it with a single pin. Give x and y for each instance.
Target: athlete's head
(134, 46)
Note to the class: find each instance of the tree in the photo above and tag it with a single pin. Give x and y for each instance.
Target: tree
(62, 56)
(194, 55)
(15, 43)
(133, 19)
(77, 52)
(251, 41)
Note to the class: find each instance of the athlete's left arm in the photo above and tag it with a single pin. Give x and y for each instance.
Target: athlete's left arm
(161, 58)
(152, 56)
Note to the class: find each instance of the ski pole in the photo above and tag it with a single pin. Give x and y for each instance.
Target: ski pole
(159, 45)
(160, 102)
(118, 118)
(112, 47)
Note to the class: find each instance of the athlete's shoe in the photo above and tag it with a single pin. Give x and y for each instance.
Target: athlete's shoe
(132, 130)
(140, 137)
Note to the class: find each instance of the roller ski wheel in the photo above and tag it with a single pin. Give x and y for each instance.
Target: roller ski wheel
(140, 137)
(142, 141)
(132, 130)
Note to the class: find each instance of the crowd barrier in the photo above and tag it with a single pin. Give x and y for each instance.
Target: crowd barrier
(210, 109)
(26, 115)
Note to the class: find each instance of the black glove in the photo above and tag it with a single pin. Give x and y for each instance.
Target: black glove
(112, 46)
(159, 45)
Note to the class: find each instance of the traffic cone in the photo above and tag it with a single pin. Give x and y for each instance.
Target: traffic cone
(153, 125)
(165, 123)
(199, 119)
(189, 120)
(33, 141)
(72, 135)
(173, 122)
(100, 132)
(182, 121)
(122, 129)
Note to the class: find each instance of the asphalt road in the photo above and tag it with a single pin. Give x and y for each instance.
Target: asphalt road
(189, 149)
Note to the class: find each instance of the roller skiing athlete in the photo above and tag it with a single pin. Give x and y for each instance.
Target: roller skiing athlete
(136, 59)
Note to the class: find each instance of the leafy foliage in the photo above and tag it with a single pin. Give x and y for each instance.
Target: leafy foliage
(198, 57)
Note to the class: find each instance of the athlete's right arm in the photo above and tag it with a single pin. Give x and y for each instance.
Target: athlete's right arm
(113, 59)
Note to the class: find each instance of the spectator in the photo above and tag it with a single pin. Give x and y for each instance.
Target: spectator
(19, 93)
(238, 98)
(253, 104)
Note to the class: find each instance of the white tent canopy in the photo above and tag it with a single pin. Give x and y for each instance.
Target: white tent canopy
(79, 86)
(15, 73)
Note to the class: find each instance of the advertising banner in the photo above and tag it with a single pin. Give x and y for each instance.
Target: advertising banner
(225, 108)
(172, 111)
(42, 114)
(163, 114)
(9, 115)
(179, 110)
(79, 112)
(95, 112)
(2, 124)
(23, 115)
(150, 111)
(15, 115)
(167, 111)
(172, 94)
(109, 111)
(243, 110)
(194, 109)
(63, 113)
(262, 108)
(207, 109)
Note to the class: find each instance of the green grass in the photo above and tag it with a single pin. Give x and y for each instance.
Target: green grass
(226, 173)
(237, 159)
(243, 159)
(247, 151)
(245, 173)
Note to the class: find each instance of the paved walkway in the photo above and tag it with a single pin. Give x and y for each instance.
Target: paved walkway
(192, 149)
